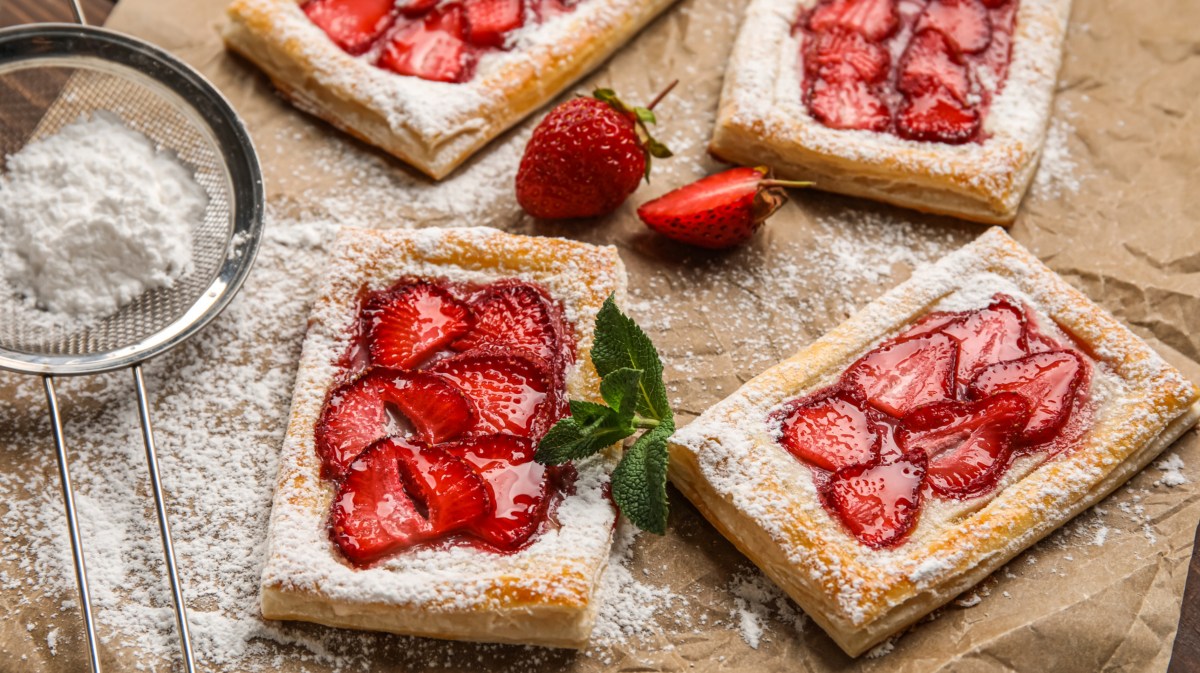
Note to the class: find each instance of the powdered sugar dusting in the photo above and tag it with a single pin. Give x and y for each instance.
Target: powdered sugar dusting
(1172, 472)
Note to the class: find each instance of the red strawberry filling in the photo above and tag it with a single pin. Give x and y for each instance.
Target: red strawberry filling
(423, 38)
(943, 408)
(954, 57)
(427, 444)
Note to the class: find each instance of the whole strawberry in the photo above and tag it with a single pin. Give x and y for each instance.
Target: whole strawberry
(586, 157)
(718, 211)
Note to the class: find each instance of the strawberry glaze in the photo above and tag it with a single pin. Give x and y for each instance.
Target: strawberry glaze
(939, 411)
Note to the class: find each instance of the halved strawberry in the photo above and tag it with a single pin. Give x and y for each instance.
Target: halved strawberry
(831, 432)
(488, 21)
(518, 487)
(879, 503)
(968, 443)
(902, 375)
(452, 494)
(965, 23)
(514, 315)
(847, 104)
(840, 54)
(372, 515)
(930, 65)
(937, 117)
(875, 19)
(352, 24)
(407, 324)
(433, 47)
(1048, 381)
(987, 336)
(510, 392)
(355, 414)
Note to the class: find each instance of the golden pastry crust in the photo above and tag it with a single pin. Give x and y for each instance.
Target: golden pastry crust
(434, 126)
(728, 463)
(762, 120)
(541, 595)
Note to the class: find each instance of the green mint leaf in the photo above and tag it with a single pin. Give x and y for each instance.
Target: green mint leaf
(645, 115)
(639, 483)
(571, 438)
(620, 390)
(621, 344)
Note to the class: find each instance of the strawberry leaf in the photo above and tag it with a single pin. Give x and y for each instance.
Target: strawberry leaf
(657, 149)
(639, 484)
(645, 115)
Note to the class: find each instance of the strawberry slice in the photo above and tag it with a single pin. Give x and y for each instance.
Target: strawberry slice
(356, 414)
(409, 323)
(1048, 381)
(352, 24)
(929, 66)
(417, 7)
(516, 484)
(372, 515)
(432, 48)
(508, 391)
(488, 21)
(987, 336)
(965, 23)
(879, 503)
(451, 494)
(831, 432)
(902, 375)
(838, 55)
(968, 443)
(937, 117)
(847, 104)
(514, 315)
(875, 19)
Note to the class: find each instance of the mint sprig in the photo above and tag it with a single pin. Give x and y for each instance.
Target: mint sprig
(635, 400)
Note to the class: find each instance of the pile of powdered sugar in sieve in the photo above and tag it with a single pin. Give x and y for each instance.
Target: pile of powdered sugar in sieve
(93, 216)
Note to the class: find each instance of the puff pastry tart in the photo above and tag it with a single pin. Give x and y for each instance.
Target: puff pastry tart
(408, 499)
(938, 105)
(920, 445)
(429, 81)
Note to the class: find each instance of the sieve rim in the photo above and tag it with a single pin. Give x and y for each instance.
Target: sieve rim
(59, 44)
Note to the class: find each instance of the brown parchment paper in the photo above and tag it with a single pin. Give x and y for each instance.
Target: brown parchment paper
(1082, 600)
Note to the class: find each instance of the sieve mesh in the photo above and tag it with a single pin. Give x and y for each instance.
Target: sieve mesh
(41, 97)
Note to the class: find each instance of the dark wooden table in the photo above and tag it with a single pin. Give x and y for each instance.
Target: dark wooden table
(1185, 658)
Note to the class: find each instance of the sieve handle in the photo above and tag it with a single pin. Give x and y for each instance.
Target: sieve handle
(185, 638)
(72, 522)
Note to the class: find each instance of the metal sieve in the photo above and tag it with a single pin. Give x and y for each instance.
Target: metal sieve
(52, 75)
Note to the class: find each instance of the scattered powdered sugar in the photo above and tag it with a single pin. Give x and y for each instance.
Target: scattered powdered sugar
(1058, 171)
(882, 649)
(93, 216)
(628, 606)
(1172, 469)
(756, 601)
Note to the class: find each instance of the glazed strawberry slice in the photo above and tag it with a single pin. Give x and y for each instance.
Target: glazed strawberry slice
(968, 443)
(847, 104)
(372, 514)
(987, 336)
(488, 21)
(902, 375)
(875, 19)
(433, 47)
(939, 118)
(965, 23)
(356, 414)
(451, 493)
(407, 324)
(1048, 381)
(831, 432)
(352, 24)
(838, 55)
(516, 484)
(514, 315)
(510, 392)
(930, 66)
(417, 7)
(879, 503)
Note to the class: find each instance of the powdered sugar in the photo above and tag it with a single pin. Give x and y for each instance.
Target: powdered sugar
(1172, 472)
(95, 215)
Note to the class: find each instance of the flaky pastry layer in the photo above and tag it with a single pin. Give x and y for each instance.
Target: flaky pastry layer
(756, 493)
(434, 126)
(544, 594)
(763, 120)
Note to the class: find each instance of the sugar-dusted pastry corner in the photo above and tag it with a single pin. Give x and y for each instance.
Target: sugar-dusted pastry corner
(408, 499)
(920, 445)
